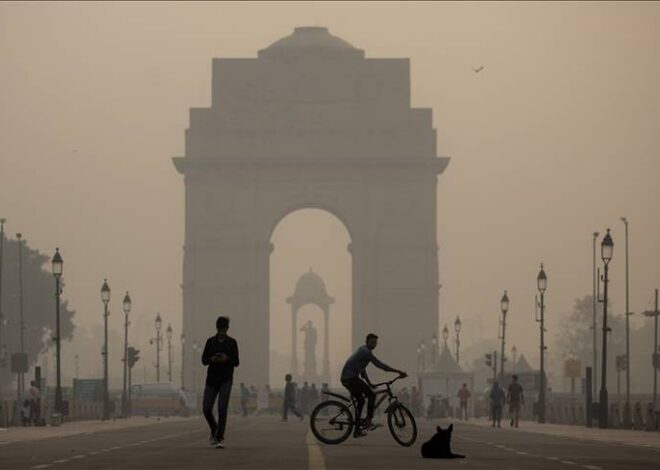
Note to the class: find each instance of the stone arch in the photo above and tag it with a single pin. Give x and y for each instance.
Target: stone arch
(310, 123)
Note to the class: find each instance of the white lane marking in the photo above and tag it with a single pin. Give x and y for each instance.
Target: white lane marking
(46, 465)
(4, 443)
(95, 452)
(568, 462)
(522, 453)
(314, 454)
(592, 467)
(61, 461)
(552, 458)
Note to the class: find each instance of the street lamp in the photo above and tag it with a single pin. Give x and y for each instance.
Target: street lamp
(423, 347)
(57, 265)
(595, 320)
(606, 252)
(105, 298)
(159, 325)
(542, 284)
(21, 376)
(655, 357)
(183, 360)
(504, 306)
(3, 351)
(168, 333)
(457, 329)
(124, 394)
(445, 334)
(626, 413)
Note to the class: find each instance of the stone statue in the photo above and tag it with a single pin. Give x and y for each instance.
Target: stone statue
(309, 346)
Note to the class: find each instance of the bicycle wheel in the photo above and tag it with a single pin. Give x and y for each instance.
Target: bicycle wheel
(331, 422)
(402, 425)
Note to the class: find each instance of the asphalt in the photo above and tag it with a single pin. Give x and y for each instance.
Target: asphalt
(267, 443)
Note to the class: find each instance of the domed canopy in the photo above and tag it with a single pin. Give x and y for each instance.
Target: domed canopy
(311, 40)
(310, 288)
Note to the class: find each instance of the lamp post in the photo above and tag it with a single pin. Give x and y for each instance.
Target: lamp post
(3, 350)
(57, 264)
(606, 251)
(183, 360)
(628, 313)
(457, 330)
(514, 356)
(168, 333)
(159, 325)
(434, 343)
(595, 320)
(504, 306)
(196, 350)
(124, 393)
(542, 284)
(105, 298)
(21, 377)
(423, 347)
(655, 358)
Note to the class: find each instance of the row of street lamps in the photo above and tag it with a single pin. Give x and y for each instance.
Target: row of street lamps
(129, 356)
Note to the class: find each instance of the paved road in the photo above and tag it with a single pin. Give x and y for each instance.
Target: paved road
(266, 443)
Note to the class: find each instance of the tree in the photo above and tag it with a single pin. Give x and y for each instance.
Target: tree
(576, 335)
(38, 305)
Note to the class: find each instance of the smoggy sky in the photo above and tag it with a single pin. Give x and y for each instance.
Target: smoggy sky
(555, 138)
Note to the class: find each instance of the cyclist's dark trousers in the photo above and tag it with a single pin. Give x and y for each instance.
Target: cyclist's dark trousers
(359, 389)
(222, 391)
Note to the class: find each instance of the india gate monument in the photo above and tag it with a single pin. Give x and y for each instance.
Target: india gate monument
(310, 123)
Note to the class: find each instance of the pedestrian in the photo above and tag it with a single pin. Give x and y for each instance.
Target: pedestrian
(304, 399)
(497, 399)
(290, 399)
(245, 396)
(313, 396)
(34, 395)
(515, 399)
(221, 357)
(262, 400)
(463, 397)
(26, 413)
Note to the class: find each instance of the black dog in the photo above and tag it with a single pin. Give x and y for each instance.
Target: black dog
(439, 446)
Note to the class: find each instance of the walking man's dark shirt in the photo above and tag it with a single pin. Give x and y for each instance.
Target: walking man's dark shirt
(219, 372)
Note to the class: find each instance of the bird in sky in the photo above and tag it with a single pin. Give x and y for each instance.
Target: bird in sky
(478, 69)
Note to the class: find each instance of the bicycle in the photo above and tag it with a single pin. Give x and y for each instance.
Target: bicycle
(332, 421)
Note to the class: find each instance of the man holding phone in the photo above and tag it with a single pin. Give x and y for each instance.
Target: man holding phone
(221, 356)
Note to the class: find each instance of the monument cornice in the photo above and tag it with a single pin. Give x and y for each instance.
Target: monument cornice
(194, 164)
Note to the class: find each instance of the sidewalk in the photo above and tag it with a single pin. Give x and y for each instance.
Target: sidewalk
(15, 434)
(618, 436)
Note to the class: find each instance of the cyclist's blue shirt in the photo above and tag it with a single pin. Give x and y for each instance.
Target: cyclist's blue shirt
(359, 360)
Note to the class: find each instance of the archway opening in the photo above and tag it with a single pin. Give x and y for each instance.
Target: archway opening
(309, 240)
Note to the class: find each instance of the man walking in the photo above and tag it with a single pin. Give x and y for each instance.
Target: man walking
(245, 396)
(221, 356)
(515, 399)
(290, 399)
(463, 397)
(497, 399)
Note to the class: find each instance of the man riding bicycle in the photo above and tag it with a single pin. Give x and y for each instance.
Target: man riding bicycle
(355, 368)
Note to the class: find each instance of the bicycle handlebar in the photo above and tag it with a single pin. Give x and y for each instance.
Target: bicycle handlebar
(388, 383)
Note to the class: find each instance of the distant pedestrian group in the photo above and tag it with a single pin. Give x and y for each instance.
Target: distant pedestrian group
(498, 398)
